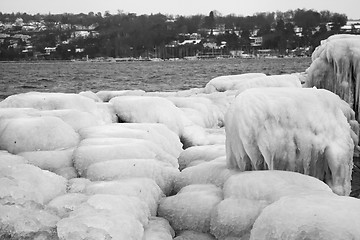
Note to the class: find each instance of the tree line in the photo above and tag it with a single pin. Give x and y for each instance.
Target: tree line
(129, 35)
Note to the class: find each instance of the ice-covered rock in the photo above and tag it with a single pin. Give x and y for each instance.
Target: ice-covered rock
(234, 217)
(284, 80)
(50, 160)
(67, 172)
(213, 172)
(335, 67)
(190, 209)
(143, 188)
(25, 184)
(78, 185)
(198, 153)
(86, 155)
(64, 204)
(75, 118)
(302, 130)
(193, 235)
(224, 83)
(90, 95)
(200, 110)
(160, 154)
(36, 133)
(163, 174)
(17, 222)
(139, 109)
(309, 217)
(106, 217)
(271, 185)
(158, 229)
(106, 96)
(8, 159)
(94, 225)
(154, 132)
(246, 194)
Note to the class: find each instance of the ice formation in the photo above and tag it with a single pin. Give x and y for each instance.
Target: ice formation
(200, 153)
(18, 222)
(200, 110)
(246, 194)
(302, 130)
(193, 235)
(309, 217)
(336, 67)
(190, 209)
(52, 101)
(143, 188)
(50, 160)
(75, 118)
(224, 83)
(156, 133)
(25, 184)
(36, 133)
(284, 80)
(163, 174)
(158, 229)
(139, 109)
(213, 172)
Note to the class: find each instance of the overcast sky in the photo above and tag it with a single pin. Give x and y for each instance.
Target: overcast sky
(179, 7)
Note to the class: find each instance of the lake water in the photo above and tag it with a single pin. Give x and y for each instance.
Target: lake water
(74, 77)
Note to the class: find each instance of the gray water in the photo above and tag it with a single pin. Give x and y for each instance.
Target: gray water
(74, 77)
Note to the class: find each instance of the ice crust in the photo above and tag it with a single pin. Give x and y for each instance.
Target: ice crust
(163, 174)
(107, 165)
(309, 217)
(36, 133)
(312, 134)
(336, 66)
(190, 209)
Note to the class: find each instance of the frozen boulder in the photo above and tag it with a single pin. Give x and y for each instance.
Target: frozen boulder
(284, 80)
(200, 153)
(25, 184)
(138, 109)
(309, 217)
(158, 229)
(163, 174)
(50, 160)
(106, 217)
(213, 172)
(234, 218)
(312, 134)
(160, 154)
(335, 67)
(106, 96)
(36, 133)
(154, 132)
(224, 83)
(94, 225)
(86, 155)
(17, 222)
(143, 188)
(193, 235)
(64, 204)
(190, 209)
(75, 118)
(8, 159)
(270, 186)
(91, 95)
(200, 110)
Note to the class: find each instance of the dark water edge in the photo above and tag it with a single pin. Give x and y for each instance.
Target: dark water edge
(74, 77)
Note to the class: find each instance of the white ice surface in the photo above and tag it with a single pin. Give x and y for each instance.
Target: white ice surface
(303, 130)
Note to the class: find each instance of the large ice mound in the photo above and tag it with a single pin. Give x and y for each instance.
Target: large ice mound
(302, 130)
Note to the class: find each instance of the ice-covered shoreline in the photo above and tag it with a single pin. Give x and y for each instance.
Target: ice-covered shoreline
(143, 165)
